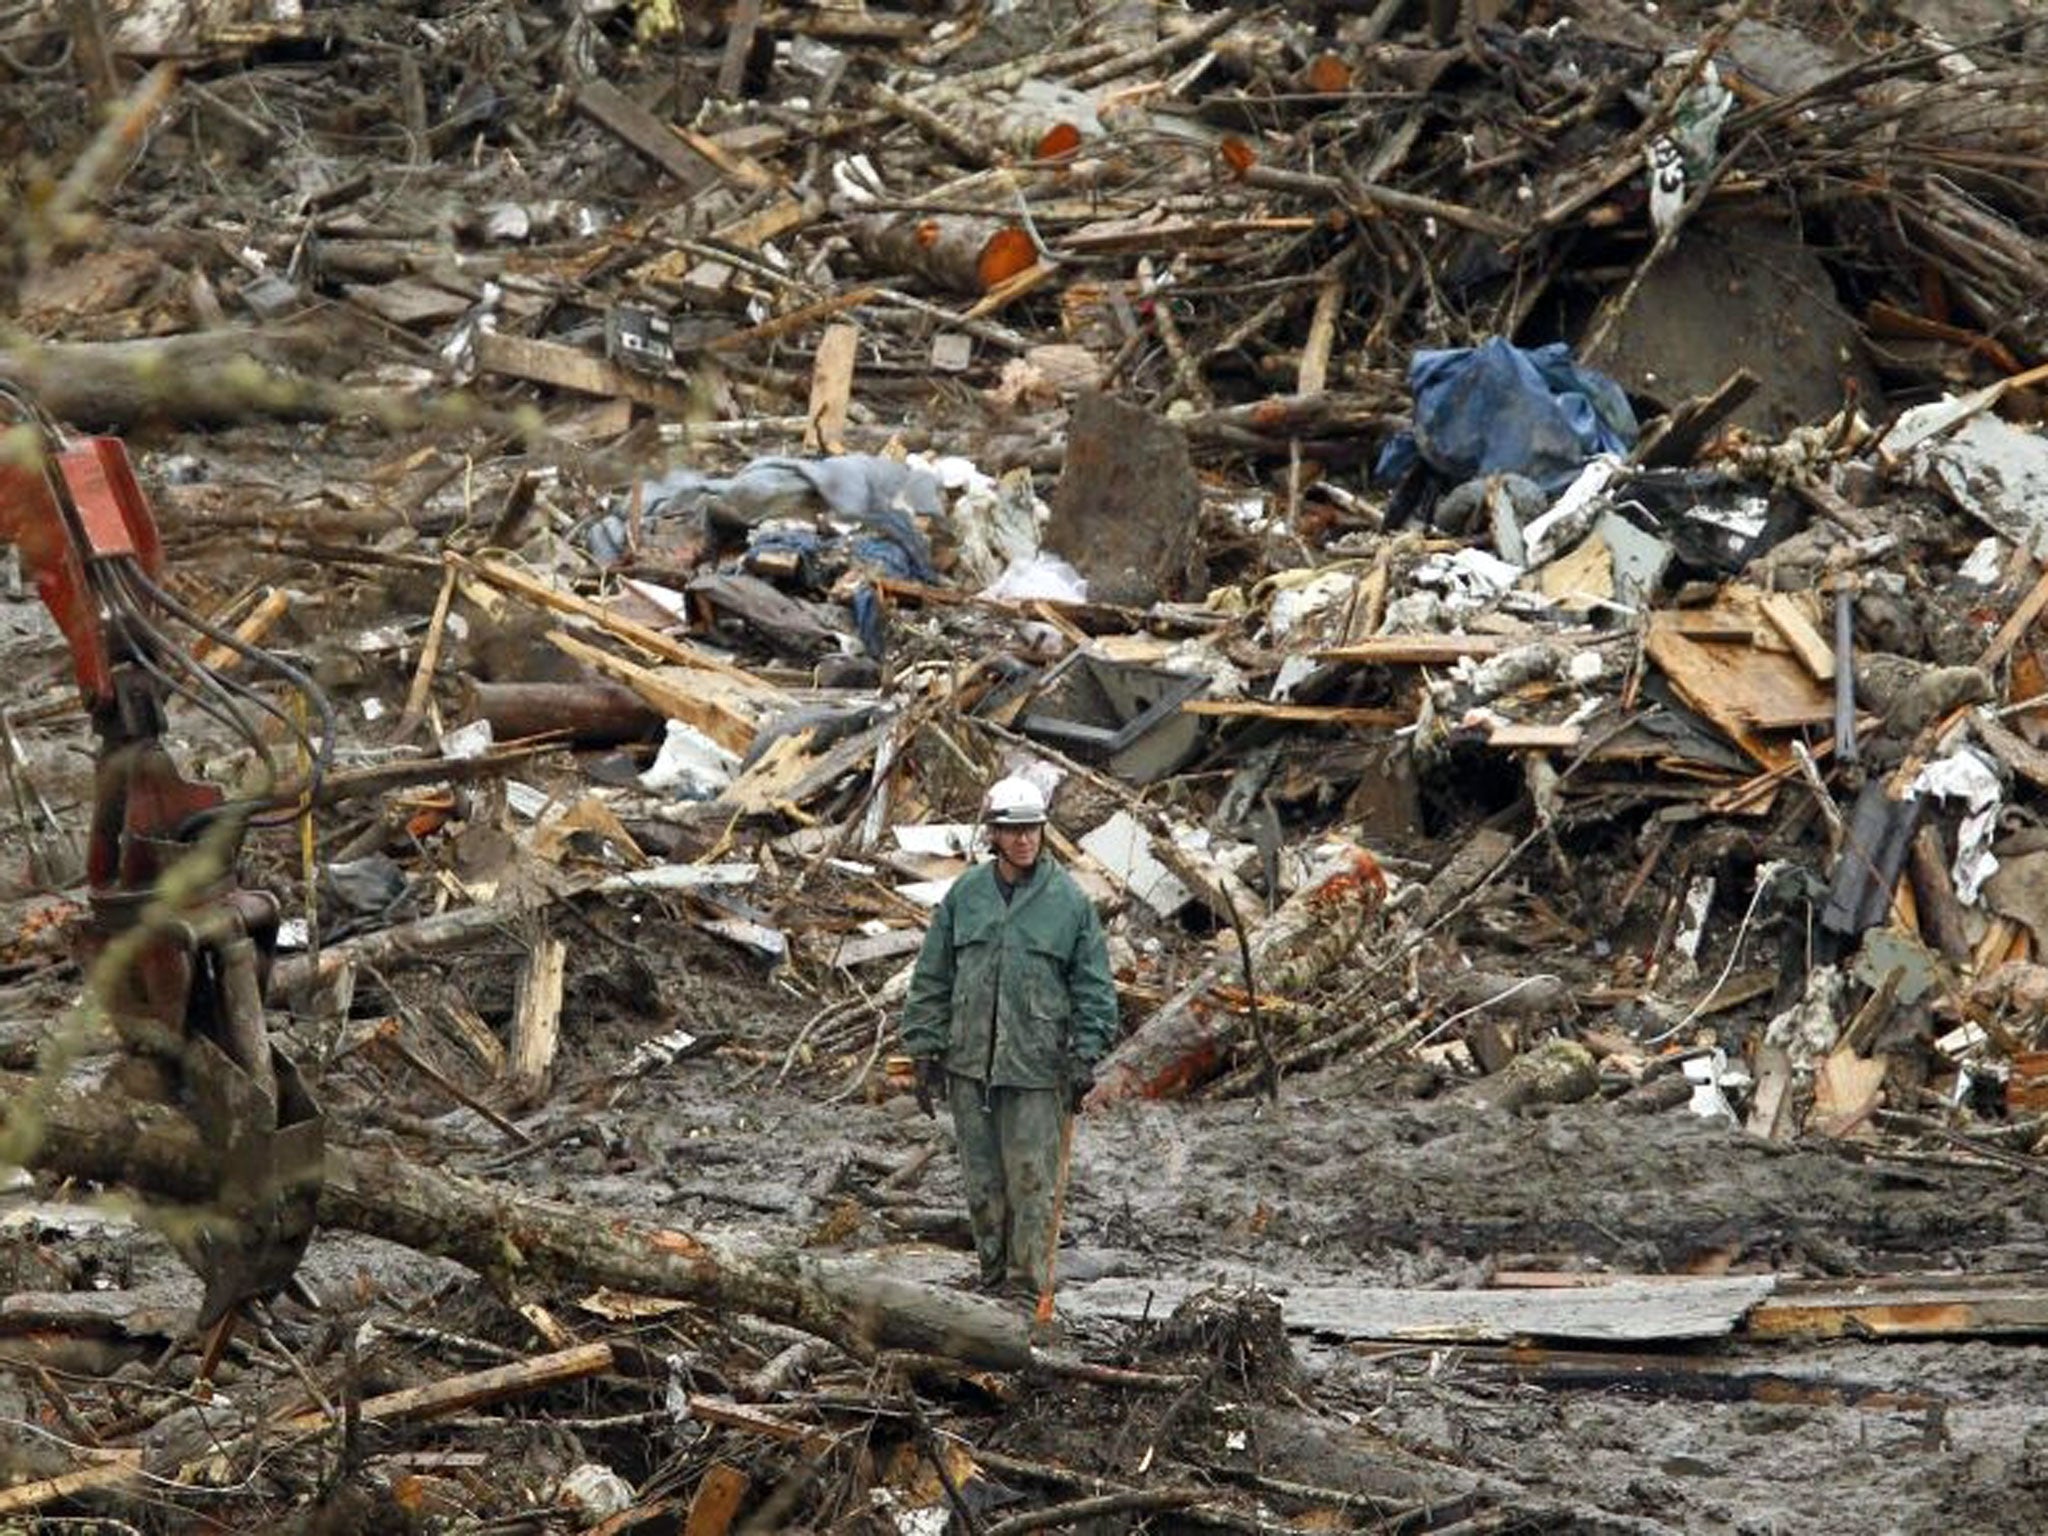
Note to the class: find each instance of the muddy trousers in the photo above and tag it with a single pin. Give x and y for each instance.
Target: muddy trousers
(1010, 1162)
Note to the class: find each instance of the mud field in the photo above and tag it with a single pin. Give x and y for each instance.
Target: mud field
(1349, 1181)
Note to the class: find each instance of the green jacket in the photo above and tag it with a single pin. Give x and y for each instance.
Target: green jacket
(1013, 994)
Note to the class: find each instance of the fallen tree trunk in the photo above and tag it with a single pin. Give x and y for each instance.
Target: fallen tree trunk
(1190, 1038)
(93, 1131)
(204, 378)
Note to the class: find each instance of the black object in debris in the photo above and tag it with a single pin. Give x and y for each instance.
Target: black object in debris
(639, 339)
(1714, 523)
(1873, 853)
(1124, 716)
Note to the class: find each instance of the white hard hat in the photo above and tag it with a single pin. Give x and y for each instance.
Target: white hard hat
(1015, 802)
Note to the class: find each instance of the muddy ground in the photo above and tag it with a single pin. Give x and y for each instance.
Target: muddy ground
(1350, 1179)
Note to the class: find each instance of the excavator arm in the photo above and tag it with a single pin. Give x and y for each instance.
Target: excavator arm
(175, 950)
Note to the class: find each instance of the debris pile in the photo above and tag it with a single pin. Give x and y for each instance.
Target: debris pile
(1513, 536)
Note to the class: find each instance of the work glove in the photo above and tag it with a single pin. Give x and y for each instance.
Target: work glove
(931, 1084)
(1079, 1085)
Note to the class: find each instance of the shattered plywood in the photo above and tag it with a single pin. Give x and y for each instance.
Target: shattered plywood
(1746, 692)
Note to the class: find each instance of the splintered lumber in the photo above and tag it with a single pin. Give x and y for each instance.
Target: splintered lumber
(695, 698)
(86, 1128)
(2016, 625)
(1420, 650)
(789, 774)
(1678, 437)
(716, 1503)
(1789, 619)
(217, 656)
(536, 1019)
(511, 579)
(959, 252)
(1191, 1036)
(565, 367)
(831, 389)
(1301, 714)
(741, 28)
(297, 974)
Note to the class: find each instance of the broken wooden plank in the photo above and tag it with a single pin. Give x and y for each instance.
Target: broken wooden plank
(1677, 438)
(1627, 1311)
(788, 774)
(1304, 714)
(615, 111)
(831, 389)
(688, 697)
(717, 1500)
(536, 1027)
(1742, 690)
(1428, 650)
(217, 656)
(858, 949)
(2017, 624)
(1517, 737)
(794, 320)
(741, 26)
(1789, 619)
(475, 1390)
(564, 367)
(1897, 1310)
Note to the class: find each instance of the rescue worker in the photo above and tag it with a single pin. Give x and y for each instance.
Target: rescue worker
(1011, 1006)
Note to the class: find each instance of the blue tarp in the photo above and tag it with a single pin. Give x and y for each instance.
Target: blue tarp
(1497, 408)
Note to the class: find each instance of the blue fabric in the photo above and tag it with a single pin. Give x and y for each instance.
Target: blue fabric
(1498, 408)
(869, 621)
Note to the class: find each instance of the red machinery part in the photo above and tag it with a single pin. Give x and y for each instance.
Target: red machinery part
(63, 505)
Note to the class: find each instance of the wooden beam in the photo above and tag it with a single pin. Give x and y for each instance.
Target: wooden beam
(740, 31)
(563, 367)
(615, 111)
(122, 1466)
(1427, 650)
(1314, 372)
(1628, 1310)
